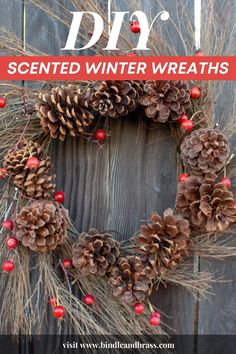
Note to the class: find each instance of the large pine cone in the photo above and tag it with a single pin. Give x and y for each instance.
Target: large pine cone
(41, 226)
(207, 204)
(205, 151)
(115, 98)
(64, 110)
(165, 100)
(36, 184)
(163, 243)
(128, 282)
(95, 253)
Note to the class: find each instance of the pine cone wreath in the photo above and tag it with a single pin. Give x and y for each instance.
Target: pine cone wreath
(163, 243)
(207, 204)
(37, 183)
(41, 226)
(115, 98)
(64, 110)
(128, 282)
(205, 151)
(95, 253)
(165, 100)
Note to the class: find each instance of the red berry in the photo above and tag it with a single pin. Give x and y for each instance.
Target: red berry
(59, 312)
(199, 53)
(59, 197)
(156, 314)
(52, 301)
(33, 163)
(138, 308)
(8, 224)
(3, 173)
(3, 102)
(226, 181)
(100, 134)
(8, 266)
(187, 125)
(89, 300)
(182, 177)
(155, 320)
(135, 27)
(182, 118)
(195, 92)
(67, 263)
(11, 243)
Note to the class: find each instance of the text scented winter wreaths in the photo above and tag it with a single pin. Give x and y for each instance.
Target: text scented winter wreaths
(37, 224)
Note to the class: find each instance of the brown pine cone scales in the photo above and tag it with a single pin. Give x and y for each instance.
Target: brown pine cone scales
(165, 100)
(41, 226)
(37, 183)
(64, 110)
(128, 282)
(205, 151)
(95, 253)
(207, 204)
(163, 243)
(115, 98)
(16, 157)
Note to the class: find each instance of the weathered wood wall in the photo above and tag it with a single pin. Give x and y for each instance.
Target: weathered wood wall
(119, 186)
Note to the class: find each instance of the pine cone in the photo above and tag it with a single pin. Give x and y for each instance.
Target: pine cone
(205, 151)
(165, 100)
(64, 110)
(163, 243)
(16, 158)
(95, 253)
(41, 226)
(36, 184)
(128, 282)
(207, 204)
(115, 98)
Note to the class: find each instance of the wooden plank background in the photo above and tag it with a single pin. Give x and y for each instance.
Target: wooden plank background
(119, 186)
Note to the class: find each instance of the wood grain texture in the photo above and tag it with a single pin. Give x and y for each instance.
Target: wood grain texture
(118, 187)
(11, 16)
(81, 166)
(217, 315)
(143, 162)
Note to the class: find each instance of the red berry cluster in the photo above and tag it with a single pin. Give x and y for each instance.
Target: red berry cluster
(185, 123)
(11, 244)
(57, 310)
(155, 317)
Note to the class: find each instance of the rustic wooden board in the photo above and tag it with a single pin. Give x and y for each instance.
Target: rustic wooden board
(118, 187)
(217, 315)
(11, 16)
(82, 167)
